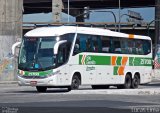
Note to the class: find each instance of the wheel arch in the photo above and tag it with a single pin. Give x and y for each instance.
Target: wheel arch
(128, 73)
(77, 73)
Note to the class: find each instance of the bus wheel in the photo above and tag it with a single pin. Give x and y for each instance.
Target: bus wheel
(41, 88)
(127, 84)
(75, 83)
(135, 82)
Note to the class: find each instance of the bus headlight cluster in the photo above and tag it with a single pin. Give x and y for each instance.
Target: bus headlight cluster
(54, 73)
(20, 75)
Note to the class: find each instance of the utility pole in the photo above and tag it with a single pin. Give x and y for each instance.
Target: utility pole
(157, 23)
(68, 10)
(57, 6)
(119, 25)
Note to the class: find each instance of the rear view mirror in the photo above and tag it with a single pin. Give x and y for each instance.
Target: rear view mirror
(56, 46)
(15, 49)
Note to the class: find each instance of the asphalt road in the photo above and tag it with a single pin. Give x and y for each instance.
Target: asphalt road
(18, 99)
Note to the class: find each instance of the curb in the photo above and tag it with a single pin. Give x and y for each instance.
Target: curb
(8, 82)
(140, 92)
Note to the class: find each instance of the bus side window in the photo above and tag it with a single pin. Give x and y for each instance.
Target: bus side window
(146, 47)
(139, 47)
(76, 47)
(124, 46)
(99, 41)
(80, 44)
(130, 46)
(89, 45)
(134, 47)
(105, 44)
(117, 46)
(96, 43)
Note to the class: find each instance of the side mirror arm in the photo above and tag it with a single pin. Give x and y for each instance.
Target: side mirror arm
(56, 46)
(14, 47)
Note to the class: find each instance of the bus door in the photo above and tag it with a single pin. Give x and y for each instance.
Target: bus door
(62, 58)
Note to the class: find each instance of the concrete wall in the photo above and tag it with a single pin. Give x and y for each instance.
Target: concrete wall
(10, 32)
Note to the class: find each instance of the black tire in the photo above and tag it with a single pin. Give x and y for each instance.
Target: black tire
(127, 84)
(100, 86)
(94, 86)
(120, 86)
(75, 83)
(41, 89)
(135, 82)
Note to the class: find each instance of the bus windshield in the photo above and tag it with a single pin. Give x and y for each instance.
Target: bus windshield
(38, 53)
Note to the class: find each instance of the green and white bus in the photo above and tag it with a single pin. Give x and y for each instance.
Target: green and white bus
(70, 56)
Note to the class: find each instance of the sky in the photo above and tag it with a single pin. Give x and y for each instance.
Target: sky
(147, 14)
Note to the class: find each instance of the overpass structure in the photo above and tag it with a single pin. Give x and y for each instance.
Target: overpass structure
(39, 6)
(76, 7)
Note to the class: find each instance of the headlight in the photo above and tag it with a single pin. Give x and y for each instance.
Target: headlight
(54, 73)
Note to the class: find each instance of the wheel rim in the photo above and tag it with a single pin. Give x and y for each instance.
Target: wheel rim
(136, 82)
(128, 82)
(75, 83)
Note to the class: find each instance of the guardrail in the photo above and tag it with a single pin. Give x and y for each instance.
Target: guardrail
(107, 25)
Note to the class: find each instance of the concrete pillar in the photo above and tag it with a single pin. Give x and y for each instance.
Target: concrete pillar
(57, 6)
(10, 31)
(157, 22)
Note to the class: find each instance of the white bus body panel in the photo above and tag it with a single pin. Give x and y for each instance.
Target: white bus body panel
(101, 74)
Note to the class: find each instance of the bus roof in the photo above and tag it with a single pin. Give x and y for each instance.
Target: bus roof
(60, 30)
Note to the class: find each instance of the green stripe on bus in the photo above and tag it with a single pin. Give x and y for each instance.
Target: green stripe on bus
(138, 61)
(115, 70)
(106, 60)
(119, 59)
(41, 73)
(80, 59)
(95, 60)
(131, 61)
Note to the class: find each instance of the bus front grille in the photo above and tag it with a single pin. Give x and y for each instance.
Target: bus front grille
(34, 77)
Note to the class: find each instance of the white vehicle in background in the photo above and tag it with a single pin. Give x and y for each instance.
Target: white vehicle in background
(70, 56)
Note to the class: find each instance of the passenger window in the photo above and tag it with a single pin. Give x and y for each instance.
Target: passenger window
(89, 44)
(117, 46)
(93, 45)
(146, 47)
(124, 46)
(105, 44)
(139, 47)
(130, 46)
(80, 44)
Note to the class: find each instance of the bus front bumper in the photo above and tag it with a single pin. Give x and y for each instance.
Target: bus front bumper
(50, 81)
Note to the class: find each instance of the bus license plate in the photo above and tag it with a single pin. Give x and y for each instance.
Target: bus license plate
(33, 83)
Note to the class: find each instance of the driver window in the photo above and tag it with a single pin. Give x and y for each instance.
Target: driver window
(62, 54)
(80, 44)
